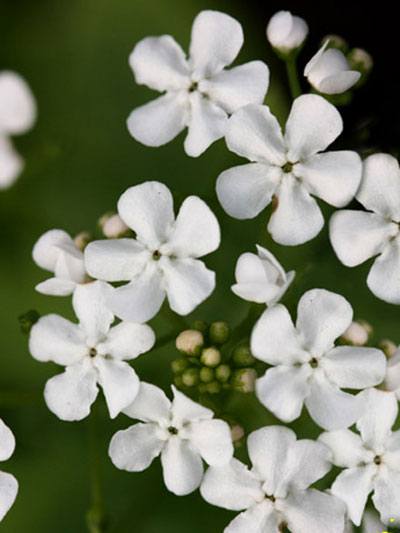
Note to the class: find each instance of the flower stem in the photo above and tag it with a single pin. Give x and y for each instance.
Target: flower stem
(293, 78)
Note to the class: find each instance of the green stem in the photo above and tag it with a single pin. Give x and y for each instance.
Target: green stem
(293, 78)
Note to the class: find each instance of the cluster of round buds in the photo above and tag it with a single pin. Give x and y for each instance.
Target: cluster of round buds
(208, 365)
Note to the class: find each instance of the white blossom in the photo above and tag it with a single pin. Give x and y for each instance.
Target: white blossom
(288, 167)
(307, 368)
(183, 432)
(93, 352)
(56, 252)
(371, 460)
(275, 493)
(199, 93)
(17, 115)
(260, 278)
(329, 71)
(8, 483)
(286, 32)
(358, 235)
(163, 259)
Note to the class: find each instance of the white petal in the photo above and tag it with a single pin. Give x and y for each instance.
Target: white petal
(8, 492)
(257, 280)
(54, 338)
(308, 461)
(150, 404)
(333, 176)
(380, 186)
(231, 486)
(283, 390)
(196, 231)
(89, 303)
(7, 442)
(297, 217)
(347, 448)
(115, 259)
(159, 63)
(139, 300)
(119, 382)
(381, 411)
(70, 395)
(212, 439)
(313, 124)
(215, 42)
(182, 467)
(353, 487)
(47, 248)
(286, 32)
(384, 277)
(371, 523)
(392, 380)
(149, 210)
(339, 82)
(356, 236)
(322, 316)
(352, 367)
(70, 264)
(386, 496)
(170, 110)
(330, 407)
(254, 132)
(259, 518)
(127, 340)
(274, 338)
(185, 410)
(56, 287)
(17, 105)
(11, 163)
(246, 190)
(188, 282)
(235, 88)
(134, 449)
(206, 123)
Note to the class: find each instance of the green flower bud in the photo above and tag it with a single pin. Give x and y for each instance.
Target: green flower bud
(360, 60)
(179, 365)
(243, 380)
(27, 320)
(242, 356)
(178, 382)
(219, 332)
(200, 325)
(82, 240)
(388, 347)
(190, 342)
(223, 373)
(210, 356)
(336, 41)
(190, 377)
(206, 374)
(213, 388)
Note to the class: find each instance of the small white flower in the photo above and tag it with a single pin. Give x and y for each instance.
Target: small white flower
(358, 235)
(17, 115)
(288, 167)
(93, 352)
(275, 493)
(163, 259)
(260, 278)
(182, 432)
(286, 32)
(8, 483)
(198, 92)
(56, 252)
(307, 367)
(329, 71)
(371, 460)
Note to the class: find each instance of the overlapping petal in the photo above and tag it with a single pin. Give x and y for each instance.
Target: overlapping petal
(182, 466)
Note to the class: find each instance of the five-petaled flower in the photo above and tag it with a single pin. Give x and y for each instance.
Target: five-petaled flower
(8, 483)
(308, 368)
(182, 431)
(275, 494)
(288, 167)
(163, 259)
(93, 352)
(199, 93)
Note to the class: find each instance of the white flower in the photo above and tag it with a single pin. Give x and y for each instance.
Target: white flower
(198, 92)
(307, 367)
(392, 379)
(8, 483)
(56, 252)
(182, 432)
(371, 460)
(163, 259)
(358, 235)
(286, 32)
(288, 167)
(329, 71)
(93, 352)
(261, 278)
(275, 493)
(17, 115)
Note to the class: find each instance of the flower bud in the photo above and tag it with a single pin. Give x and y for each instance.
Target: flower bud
(360, 60)
(243, 380)
(206, 374)
(336, 41)
(237, 432)
(357, 333)
(210, 356)
(112, 226)
(179, 365)
(242, 356)
(190, 377)
(219, 332)
(223, 373)
(82, 240)
(200, 325)
(286, 32)
(213, 388)
(388, 347)
(190, 342)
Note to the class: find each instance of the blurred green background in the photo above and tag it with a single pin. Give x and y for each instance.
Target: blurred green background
(80, 158)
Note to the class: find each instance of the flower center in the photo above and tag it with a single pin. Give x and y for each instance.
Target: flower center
(194, 86)
(92, 352)
(377, 460)
(287, 167)
(173, 430)
(313, 362)
(270, 497)
(282, 527)
(156, 255)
